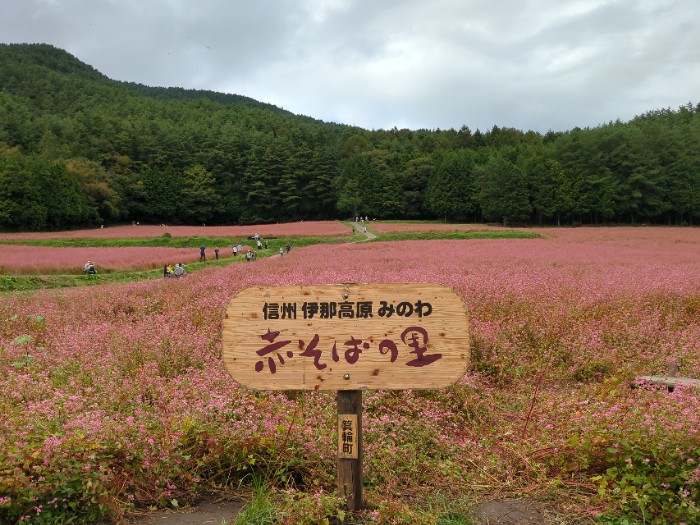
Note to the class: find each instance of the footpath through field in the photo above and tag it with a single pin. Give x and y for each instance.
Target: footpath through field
(361, 228)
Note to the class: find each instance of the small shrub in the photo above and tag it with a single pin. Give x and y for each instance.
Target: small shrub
(593, 370)
(650, 481)
(304, 508)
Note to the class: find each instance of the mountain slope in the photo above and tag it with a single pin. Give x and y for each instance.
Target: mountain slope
(21, 61)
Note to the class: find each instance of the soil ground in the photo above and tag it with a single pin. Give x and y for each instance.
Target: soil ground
(208, 513)
(496, 512)
(515, 512)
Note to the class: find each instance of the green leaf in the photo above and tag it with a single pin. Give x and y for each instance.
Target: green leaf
(174, 503)
(22, 339)
(19, 364)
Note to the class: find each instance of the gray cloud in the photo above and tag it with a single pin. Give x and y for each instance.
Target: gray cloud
(529, 64)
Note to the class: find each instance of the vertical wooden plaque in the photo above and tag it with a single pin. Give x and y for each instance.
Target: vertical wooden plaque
(347, 436)
(350, 469)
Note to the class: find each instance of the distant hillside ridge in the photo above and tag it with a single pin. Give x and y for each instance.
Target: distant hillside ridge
(49, 57)
(182, 94)
(79, 149)
(60, 61)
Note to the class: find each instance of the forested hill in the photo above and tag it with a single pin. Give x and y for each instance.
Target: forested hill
(176, 93)
(80, 149)
(20, 59)
(15, 57)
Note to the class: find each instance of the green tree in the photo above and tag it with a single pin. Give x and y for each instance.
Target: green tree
(162, 189)
(374, 186)
(38, 194)
(451, 190)
(103, 199)
(320, 192)
(503, 191)
(414, 182)
(550, 190)
(349, 200)
(268, 165)
(200, 196)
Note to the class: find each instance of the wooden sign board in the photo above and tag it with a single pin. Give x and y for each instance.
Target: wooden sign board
(346, 337)
(348, 433)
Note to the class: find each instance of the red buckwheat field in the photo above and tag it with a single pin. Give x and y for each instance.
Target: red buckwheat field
(116, 396)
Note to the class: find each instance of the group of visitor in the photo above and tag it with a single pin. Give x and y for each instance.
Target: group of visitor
(177, 271)
(251, 255)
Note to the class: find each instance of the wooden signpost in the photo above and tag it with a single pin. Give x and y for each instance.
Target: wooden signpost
(348, 338)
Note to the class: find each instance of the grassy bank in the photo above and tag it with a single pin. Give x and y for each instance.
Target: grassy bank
(174, 242)
(457, 235)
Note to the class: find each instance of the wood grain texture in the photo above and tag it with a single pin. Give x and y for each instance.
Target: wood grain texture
(349, 402)
(302, 356)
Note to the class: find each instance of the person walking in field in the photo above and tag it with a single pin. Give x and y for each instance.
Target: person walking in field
(216, 253)
(202, 253)
(235, 250)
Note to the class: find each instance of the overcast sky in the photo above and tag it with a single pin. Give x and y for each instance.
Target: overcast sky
(527, 64)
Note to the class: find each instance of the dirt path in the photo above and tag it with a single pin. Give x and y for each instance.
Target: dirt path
(361, 229)
(496, 512)
(208, 513)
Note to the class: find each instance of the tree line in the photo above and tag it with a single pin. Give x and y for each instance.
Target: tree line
(78, 149)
